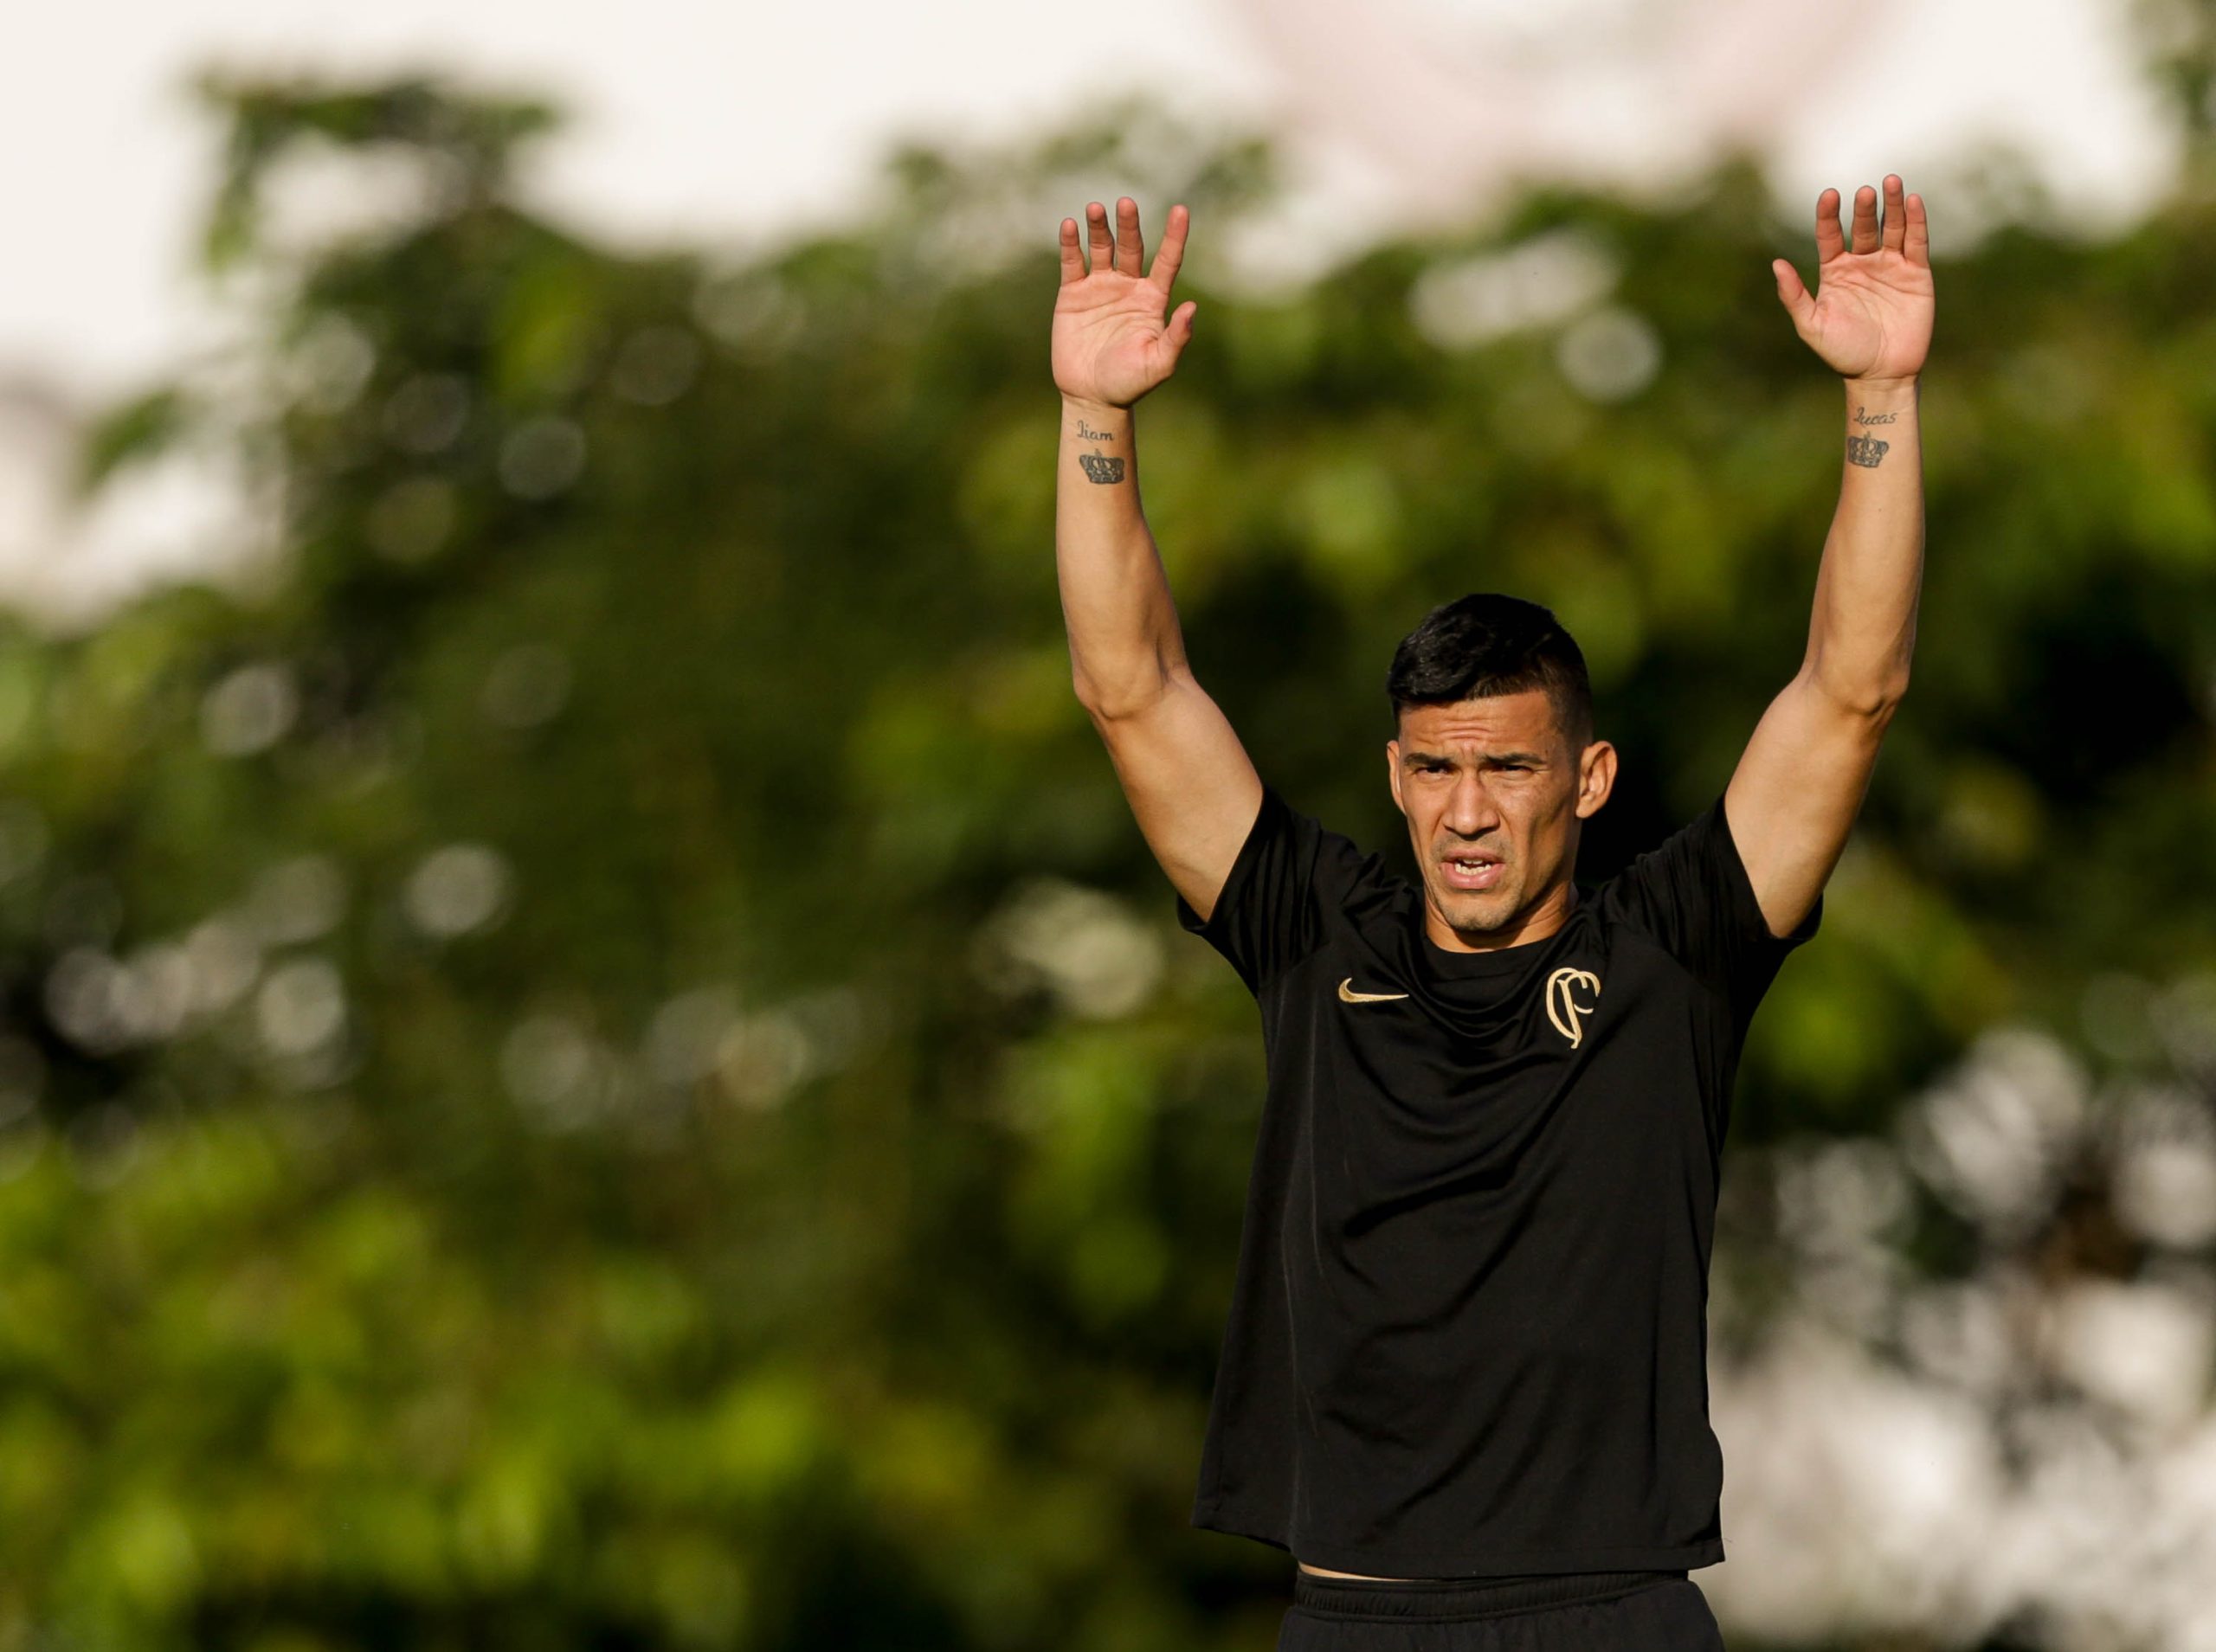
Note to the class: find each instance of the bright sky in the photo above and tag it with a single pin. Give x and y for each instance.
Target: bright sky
(712, 123)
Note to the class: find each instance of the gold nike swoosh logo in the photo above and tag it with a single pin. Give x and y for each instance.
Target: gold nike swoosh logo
(1350, 996)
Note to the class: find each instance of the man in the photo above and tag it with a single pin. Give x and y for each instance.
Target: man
(1465, 1372)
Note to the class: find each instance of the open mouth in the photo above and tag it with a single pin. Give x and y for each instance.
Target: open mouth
(1476, 872)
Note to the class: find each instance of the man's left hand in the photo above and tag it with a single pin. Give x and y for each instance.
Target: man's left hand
(1871, 317)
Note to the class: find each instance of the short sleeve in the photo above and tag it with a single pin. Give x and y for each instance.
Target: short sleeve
(1269, 915)
(1693, 897)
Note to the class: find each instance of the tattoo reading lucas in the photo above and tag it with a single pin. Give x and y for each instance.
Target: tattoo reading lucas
(1862, 418)
(1865, 450)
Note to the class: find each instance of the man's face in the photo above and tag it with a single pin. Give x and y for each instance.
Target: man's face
(1494, 780)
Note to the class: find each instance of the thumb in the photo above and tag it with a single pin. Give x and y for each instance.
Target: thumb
(1793, 296)
(1181, 324)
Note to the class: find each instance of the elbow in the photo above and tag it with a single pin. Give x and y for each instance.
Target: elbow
(1115, 708)
(1876, 698)
(1100, 702)
(1106, 703)
(1879, 702)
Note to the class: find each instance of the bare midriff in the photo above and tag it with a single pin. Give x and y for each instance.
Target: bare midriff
(1363, 1576)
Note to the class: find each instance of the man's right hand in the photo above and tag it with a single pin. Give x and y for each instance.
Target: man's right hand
(1110, 345)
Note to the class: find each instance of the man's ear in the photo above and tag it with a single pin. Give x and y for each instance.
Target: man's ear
(1596, 778)
(1392, 773)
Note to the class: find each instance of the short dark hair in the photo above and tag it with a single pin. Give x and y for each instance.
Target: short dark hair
(1485, 644)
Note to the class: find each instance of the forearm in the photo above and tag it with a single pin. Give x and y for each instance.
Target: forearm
(1863, 630)
(1124, 640)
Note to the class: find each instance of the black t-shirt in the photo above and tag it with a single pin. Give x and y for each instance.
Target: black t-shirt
(1468, 1332)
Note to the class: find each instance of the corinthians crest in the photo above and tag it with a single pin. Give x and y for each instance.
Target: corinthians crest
(1563, 1008)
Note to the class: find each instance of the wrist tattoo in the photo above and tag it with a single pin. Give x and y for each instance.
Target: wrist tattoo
(1866, 450)
(1862, 418)
(1098, 467)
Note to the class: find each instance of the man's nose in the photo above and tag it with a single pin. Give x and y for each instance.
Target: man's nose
(1470, 812)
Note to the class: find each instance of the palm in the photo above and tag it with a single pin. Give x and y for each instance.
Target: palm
(1111, 343)
(1871, 316)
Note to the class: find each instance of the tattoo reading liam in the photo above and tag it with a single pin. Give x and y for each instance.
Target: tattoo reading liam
(1086, 432)
(1862, 418)
(1101, 468)
(1865, 450)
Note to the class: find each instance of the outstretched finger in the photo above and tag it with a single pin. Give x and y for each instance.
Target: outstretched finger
(1791, 293)
(1102, 244)
(1172, 253)
(1072, 260)
(1865, 220)
(1896, 213)
(1919, 232)
(1830, 243)
(1129, 252)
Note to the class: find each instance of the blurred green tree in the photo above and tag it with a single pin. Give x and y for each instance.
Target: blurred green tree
(592, 1057)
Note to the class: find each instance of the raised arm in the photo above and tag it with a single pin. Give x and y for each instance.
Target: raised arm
(1190, 784)
(1793, 797)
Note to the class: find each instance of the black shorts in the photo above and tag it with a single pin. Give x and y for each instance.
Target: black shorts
(1592, 1611)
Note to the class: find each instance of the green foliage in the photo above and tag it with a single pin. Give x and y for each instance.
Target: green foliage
(600, 1062)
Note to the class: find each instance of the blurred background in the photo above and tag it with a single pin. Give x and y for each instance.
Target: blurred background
(591, 1055)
